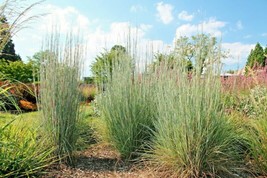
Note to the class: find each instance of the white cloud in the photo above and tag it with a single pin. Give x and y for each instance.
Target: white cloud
(119, 33)
(137, 8)
(238, 53)
(30, 41)
(185, 16)
(164, 12)
(239, 25)
(212, 27)
(264, 34)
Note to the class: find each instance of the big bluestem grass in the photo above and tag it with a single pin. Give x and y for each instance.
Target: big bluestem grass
(192, 137)
(127, 107)
(59, 93)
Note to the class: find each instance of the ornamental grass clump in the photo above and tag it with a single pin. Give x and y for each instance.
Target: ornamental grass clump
(128, 108)
(59, 98)
(23, 152)
(258, 134)
(192, 137)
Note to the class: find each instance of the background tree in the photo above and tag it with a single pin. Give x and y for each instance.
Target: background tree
(8, 51)
(256, 57)
(38, 57)
(190, 51)
(103, 65)
(170, 60)
(17, 13)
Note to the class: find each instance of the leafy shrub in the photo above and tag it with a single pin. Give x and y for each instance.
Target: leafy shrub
(18, 71)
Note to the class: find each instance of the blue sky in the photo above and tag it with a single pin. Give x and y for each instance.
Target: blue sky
(240, 24)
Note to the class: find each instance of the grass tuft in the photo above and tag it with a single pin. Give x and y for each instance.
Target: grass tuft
(59, 98)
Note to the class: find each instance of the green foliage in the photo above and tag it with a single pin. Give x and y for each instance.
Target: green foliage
(252, 104)
(24, 152)
(231, 71)
(7, 100)
(188, 51)
(256, 57)
(258, 150)
(60, 95)
(88, 80)
(127, 107)
(37, 58)
(171, 61)
(18, 71)
(192, 137)
(8, 48)
(258, 134)
(85, 133)
(102, 67)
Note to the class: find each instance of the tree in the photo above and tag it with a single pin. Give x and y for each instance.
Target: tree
(103, 65)
(8, 51)
(170, 60)
(256, 57)
(40, 56)
(18, 14)
(192, 51)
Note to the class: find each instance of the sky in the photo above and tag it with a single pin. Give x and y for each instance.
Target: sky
(155, 25)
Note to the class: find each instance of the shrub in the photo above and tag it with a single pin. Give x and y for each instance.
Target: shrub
(59, 94)
(19, 71)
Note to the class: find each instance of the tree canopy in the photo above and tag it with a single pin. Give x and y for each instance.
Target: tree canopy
(7, 50)
(190, 51)
(103, 65)
(257, 57)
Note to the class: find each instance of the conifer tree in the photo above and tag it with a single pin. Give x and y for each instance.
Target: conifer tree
(256, 57)
(7, 51)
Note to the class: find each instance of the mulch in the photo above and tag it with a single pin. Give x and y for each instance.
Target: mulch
(99, 161)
